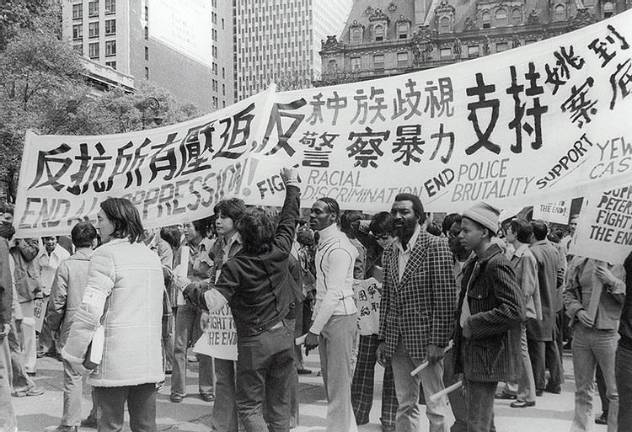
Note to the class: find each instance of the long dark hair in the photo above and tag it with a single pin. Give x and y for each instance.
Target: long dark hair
(125, 218)
(256, 230)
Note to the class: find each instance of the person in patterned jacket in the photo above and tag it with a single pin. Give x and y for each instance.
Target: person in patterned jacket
(416, 314)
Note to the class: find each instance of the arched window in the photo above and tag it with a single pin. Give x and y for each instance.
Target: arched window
(332, 66)
(560, 12)
(486, 18)
(379, 32)
(444, 25)
(516, 17)
(402, 30)
(608, 9)
(501, 17)
(356, 35)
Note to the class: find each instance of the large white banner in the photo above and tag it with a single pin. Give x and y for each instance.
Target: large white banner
(173, 174)
(535, 124)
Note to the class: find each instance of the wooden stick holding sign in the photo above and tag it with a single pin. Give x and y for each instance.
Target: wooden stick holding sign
(457, 385)
(425, 364)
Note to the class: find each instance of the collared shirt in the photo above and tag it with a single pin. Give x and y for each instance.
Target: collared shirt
(404, 255)
(48, 264)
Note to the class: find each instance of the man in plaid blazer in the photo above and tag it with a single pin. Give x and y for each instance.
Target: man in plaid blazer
(416, 314)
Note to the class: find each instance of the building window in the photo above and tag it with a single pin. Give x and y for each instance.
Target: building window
(472, 51)
(78, 48)
(110, 48)
(378, 61)
(110, 7)
(77, 32)
(501, 46)
(402, 30)
(445, 53)
(146, 33)
(93, 50)
(111, 64)
(93, 8)
(379, 33)
(559, 13)
(444, 25)
(93, 30)
(588, 3)
(355, 64)
(77, 11)
(356, 35)
(147, 53)
(147, 13)
(146, 72)
(501, 17)
(223, 73)
(486, 19)
(110, 27)
(223, 104)
(222, 23)
(332, 66)
(223, 89)
(608, 9)
(402, 59)
(516, 17)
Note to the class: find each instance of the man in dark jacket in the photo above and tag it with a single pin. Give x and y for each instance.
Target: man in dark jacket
(490, 310)
(256, 284)
(623, 362)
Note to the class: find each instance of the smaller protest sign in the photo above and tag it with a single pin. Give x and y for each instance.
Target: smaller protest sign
(556, 212)
(39, 312)
(219, 338)
(604, 228)
(367, 294)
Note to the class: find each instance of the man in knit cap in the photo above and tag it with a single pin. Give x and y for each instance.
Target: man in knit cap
(490, 310)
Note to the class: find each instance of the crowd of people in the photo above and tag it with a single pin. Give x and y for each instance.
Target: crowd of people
(458, 314)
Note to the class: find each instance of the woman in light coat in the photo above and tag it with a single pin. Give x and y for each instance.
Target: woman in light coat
(124, 293)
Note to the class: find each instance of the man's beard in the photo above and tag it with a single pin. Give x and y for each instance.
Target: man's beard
(405, 230)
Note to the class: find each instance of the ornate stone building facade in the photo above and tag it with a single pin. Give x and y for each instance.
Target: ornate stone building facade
(391, 37)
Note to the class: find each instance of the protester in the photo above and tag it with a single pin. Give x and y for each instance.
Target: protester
(381, 228)
(334, 326)
(7, 414)
(594, 297)
(348, 219)
(541, 333)
(416, 313)
(124, 294)
(49, 259)
(518, 233)
(623, 363)
(195, 264)
(490, 310)
(172, 235)
(256, 283)
(305, 254)
(65, 298)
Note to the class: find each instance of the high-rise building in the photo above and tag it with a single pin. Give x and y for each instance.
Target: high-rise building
(175, 45)
(278, 41)
(386, 37)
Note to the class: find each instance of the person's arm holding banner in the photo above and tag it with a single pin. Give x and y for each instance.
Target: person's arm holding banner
(613, 280)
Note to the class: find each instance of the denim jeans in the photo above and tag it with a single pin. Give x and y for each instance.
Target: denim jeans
(591, 346)
(407, 391)
(624, 386)
(187, 318)
(72, 396)
(8, 422)
(335, 348)
(479, 400)
(141, 404)
(265, 372)
(225, 407)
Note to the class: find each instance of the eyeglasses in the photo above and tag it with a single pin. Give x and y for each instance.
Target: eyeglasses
(382, 237)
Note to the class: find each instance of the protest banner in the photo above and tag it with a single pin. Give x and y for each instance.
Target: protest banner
(219, 336)
(604, 227)
(39, 312)
(556, 212)
(534, 124)
(173, 174)
(367, 297)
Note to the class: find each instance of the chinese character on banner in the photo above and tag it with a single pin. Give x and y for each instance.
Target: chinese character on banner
(379, 105)
(130, 163)
(46, 163)
(320, 149)
(607, 50)
(362, 107)
(366, 147)
(579, 105)
(518, 124)
(278, 113)
(481, 90)
(336, 103)
(317, 109)
(408, 144)
(194, 154)
(559, 73)
(439, 105)
(165, 162)
(97, 169)
(412, 98)
(439, 136)
(621, 81)
(235, 135)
